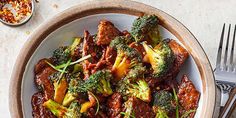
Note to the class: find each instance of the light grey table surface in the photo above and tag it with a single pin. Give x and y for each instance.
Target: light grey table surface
(204, 18)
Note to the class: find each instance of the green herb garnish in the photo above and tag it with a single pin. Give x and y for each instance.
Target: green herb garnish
(185, 115)
(125, 114)
(98, 105)
(177, 103)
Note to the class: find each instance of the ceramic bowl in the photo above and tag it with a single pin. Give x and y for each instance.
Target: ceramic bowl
(61, 29)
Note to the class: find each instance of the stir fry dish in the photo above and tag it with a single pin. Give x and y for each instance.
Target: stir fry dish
(115, 74)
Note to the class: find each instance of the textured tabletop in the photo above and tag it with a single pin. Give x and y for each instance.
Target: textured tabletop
(204, 18)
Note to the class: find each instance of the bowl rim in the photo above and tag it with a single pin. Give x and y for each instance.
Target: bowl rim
(123, 7)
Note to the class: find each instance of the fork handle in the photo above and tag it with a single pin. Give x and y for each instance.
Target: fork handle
(224, 98)
(230, 105)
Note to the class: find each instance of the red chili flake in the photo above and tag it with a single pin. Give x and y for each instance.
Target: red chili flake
(21, 8)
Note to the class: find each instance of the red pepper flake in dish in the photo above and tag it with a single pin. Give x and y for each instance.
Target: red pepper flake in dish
(15, 11)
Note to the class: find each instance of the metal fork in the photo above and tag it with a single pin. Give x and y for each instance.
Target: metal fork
(225, 71)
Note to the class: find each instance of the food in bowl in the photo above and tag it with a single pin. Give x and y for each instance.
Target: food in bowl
(15, 11)
(115, 74)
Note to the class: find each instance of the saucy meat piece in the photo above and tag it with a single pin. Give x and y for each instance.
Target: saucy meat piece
(90, 47)
(181, 55)
(39, 111)
(140, 109)
(138, 47)
(110, 56)
(39, 67)
(114, 104)
(106, 32)
(101, 63)
(44, 83)
(188, 95)
(92, 114)
(77, 52)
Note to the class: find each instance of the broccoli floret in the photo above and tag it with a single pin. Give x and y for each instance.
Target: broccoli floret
(62, 112)
(74, 110)
(163, 102)
(125, 57)
(120, 43)
(161, 58)
(128, 60)
(71, 94)
(139, 89)
(98, 82)
(61, 55)
(137, 70)
(145, 28)
(117, 41)
(120, 40)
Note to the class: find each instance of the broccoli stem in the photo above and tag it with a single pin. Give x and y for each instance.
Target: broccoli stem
(60, 90)
(69, 97)
(75, 43)
(55, 108)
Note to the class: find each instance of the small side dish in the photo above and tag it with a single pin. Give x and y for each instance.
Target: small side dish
(15, 11)
(115, 74)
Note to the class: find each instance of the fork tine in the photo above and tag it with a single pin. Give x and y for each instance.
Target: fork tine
(232, 48)
(218, 60)
(226, 47)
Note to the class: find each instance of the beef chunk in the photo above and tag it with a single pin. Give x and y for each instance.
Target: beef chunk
(139, 48)
(106, 32)
(92, 114)
(139, 109)
(181, 55)
(101, 64)
(110, 56)
(44, 83)
(39, 67)
(188, 95)
(39, 111)
(114, 104)
(89, 47)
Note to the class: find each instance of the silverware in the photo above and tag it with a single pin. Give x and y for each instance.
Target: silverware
(23, 21)
(230, 105)
(225, 71)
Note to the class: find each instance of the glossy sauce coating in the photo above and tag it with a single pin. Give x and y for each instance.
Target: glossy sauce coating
(188, 95)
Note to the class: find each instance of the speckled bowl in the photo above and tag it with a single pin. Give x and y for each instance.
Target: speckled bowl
(62, 28)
